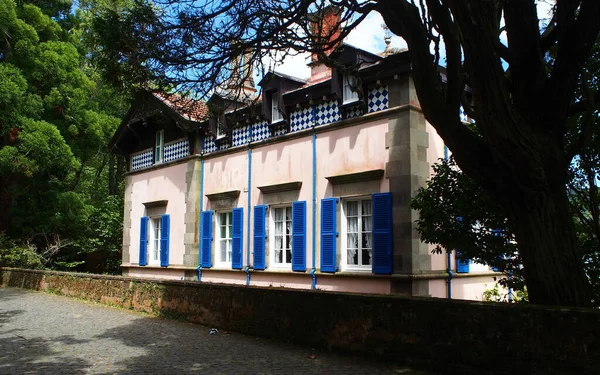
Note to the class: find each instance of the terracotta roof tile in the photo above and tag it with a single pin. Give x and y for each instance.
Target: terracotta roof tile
(193, 110)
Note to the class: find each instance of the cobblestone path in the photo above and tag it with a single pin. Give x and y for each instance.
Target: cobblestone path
(47, 334)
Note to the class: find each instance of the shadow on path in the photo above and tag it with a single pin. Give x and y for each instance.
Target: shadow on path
(185, 348)
(20, 354)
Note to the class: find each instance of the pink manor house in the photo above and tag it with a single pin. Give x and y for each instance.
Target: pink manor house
(307, 188)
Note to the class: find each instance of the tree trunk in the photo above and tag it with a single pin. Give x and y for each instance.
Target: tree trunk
(77, 177)
(111, 175)
(552, 262)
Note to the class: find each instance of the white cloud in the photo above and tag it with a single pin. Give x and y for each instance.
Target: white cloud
(368, 35)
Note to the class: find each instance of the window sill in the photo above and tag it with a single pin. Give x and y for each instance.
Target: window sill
(223, 267)
(357, 270)
(351, 103)
(222, 138)
(169, 267)
(277, 268)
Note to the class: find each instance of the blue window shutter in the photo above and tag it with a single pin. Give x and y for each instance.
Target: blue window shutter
(299, 236)
(164, 240)
(236, 238)
(382, 233)
(328, 234)
(462, 266)
(143, 241)
(207, 239)
(260, 236)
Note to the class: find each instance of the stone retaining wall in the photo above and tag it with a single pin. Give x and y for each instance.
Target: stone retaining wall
(451, 335)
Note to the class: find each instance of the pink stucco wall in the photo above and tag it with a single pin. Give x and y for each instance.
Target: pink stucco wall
(341, 151)
(160, 184)
(434, 153)
(338, 282)
(225, 173)
(469, 288)
(353, 149)
(155, 273)
(349, 150)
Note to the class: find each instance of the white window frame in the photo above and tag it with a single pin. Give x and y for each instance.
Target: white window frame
(220, 132)
(219, 262)
(155, 231)
(350, 96)
(159, 147)
(344, 242)
(275, 114)
(273, 235)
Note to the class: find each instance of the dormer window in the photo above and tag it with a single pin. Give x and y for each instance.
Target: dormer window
(350, 85)
(220, 128)
(275, 112)
(159, 147)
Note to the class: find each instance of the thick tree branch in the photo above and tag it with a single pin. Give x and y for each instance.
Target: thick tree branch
(526, 58)
(587, 121)
(577, 30)
(455, 83)
(469, 150)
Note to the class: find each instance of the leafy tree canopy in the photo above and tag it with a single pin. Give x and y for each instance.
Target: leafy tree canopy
(56, 117)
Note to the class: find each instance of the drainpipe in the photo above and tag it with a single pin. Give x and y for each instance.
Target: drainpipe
(448, 253)
(314, 203)
(247, 269)
(200, 220)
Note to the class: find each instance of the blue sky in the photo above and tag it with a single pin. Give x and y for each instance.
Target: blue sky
(369, 35)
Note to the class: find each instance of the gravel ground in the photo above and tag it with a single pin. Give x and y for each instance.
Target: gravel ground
(47, 334)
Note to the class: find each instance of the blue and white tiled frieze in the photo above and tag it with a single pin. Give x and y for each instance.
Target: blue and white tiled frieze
(209, 145)
(328, 112)
(239, 136)
(354, 111)
(141, 160)
(177, 150)
(301, 119)
(260, 131)
(224, 145)
(378, 99)
(280, 130)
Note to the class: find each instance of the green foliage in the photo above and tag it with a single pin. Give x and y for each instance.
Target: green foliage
(456, 213)
(56, 117)
(496, 295)
(483, 233)
(46, 150)
(12, 255)
(106, 230)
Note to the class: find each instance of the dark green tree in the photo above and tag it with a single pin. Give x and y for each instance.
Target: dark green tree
(56, 117)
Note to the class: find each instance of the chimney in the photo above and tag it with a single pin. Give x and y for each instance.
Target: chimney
(242, 80)
(325, 30)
